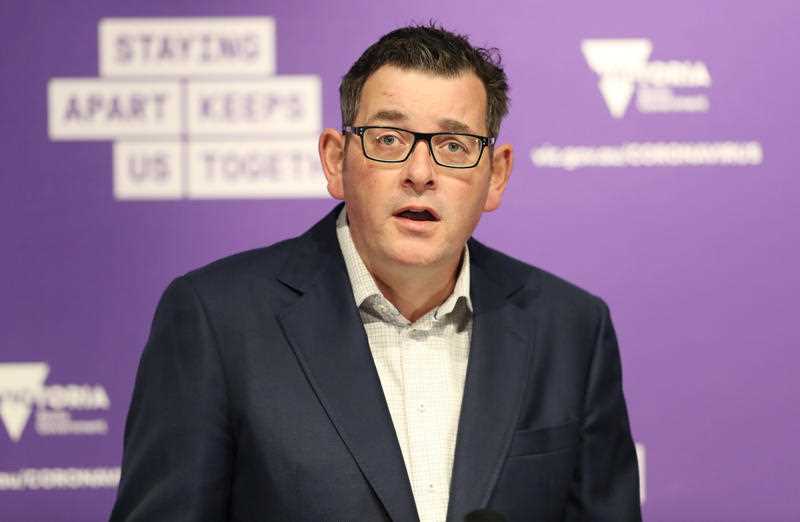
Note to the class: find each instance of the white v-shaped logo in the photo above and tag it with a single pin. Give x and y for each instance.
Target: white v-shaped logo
(618, 62)
(20, 383)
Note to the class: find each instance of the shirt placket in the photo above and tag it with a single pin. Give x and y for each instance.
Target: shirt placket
(426, 371)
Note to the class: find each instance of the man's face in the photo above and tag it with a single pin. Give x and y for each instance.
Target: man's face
(378, 195)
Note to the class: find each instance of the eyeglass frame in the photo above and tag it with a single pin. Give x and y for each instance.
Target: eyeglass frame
(485, 141)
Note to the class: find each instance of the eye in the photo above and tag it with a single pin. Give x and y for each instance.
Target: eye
(455, 147)
(387, 139)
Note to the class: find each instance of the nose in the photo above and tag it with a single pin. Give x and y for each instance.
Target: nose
(419, 169)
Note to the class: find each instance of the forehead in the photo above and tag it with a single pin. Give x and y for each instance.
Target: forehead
(423, 101)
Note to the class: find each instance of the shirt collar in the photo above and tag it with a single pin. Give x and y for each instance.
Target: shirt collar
(364, 286)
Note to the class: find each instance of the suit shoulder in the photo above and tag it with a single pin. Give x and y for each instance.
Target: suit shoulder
(542, 283)
(243, 267)
(553, 285)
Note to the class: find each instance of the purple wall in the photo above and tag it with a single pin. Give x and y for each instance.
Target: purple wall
(654, 171)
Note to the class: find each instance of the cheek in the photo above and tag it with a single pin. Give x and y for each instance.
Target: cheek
(361, 175)
(370, 188)
(366, 199)
(361, 195)
(469, 203)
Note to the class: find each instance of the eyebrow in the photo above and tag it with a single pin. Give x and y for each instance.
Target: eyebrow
(454, 125)
(387, 115)
(446, 124)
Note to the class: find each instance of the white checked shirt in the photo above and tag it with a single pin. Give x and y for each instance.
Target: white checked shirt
(422, 367)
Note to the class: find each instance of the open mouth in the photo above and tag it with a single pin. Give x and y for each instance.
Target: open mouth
(418, 215)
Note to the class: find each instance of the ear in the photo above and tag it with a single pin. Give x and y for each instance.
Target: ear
(502, 160)
(331, 156)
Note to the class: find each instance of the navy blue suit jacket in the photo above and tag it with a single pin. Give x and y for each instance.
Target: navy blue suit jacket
(257, 399)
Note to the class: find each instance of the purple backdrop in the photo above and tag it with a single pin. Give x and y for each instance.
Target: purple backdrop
(653, 167)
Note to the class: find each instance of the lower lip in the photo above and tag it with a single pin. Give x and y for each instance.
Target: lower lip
(414, 225)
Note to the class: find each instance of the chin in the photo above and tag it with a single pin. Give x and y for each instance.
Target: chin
(416, 257)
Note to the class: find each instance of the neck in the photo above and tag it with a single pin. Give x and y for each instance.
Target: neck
(415, 292)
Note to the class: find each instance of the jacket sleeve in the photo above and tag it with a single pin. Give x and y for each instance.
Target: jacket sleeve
(606, 486)
(178, 448)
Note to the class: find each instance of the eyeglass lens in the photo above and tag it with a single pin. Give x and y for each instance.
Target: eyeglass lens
(395, 145)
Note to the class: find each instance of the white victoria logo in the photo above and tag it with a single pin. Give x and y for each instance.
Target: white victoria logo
(22, 387)
(624, 68)
(18, 384)
(626, 72)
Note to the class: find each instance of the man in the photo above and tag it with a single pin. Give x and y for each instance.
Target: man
(384, 366)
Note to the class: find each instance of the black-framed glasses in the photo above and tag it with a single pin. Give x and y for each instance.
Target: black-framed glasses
(456, 150)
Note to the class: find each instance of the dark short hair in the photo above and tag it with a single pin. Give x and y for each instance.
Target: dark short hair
(430, 49)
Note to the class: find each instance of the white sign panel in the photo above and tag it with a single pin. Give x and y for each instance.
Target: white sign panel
(98, 109)
(281, 105)
(187, 46)
(256, 169)
(148, 170)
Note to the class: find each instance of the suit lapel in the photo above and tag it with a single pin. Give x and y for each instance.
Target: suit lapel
(327, 335)
(502, 340)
